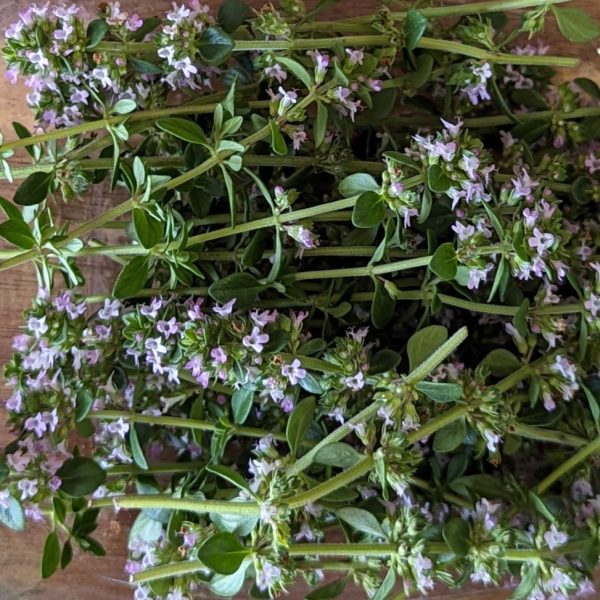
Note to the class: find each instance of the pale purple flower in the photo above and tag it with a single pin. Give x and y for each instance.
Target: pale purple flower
(256, 340)
(4, 497)
(186, 67)
(287, 98)
(453, 129)
(176, 595)
(565, 367)
(276, 72)
(133, 22)
(592, 304)
(168, 328)
(478, 276)
(485, 513)
(299, 137)
(385, 413)
(36, 424)
(267, 575)
(37, 326)
(554, 538)
(110, 309)
(294, 372)
(541, 241)
(395, 189)
(28, 488)
(523, 185)
(481, 576)
(492, 440)
(155, 346)
(356, 382)
(469, 163)
(592, 162)
(226, 309)
(530, 216)
(218, 355)
(355, 57)
(263, 317)
(463, 232)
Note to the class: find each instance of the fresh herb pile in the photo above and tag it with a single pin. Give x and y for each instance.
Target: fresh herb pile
(355, 335)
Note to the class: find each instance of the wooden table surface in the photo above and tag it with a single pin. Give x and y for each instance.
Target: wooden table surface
(90, 578)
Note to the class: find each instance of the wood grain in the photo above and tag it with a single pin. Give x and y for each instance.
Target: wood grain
(90, 578)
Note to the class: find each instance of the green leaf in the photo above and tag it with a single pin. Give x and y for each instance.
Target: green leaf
(17, 232)
(382, 306)
(440, 392)
(444, 262)
(34, 189)
(311, 384)
(146, 529)
(386, 586)
(229, 585)
(144, 66)
(415, 26)
(12, 516)
(481, 484)
(575, 24)
(501, 362)
(215, 45)
(456, 534)
(531, 131)
(424, 343)
(132, 278)
(66, 555)
(500, 280)
(80, 476)
(437, 180)
(95, 33)
(124, 106)
(83, 403)
(299, 423)
(241, 286)
(229, 475)
(34, 150)
(362, 520)
(541, 507)
(148, 230)
(384, 360)
(582, 190)
(10, 210)
(328, 591)
(320, 124)
(450, 437)
(237, 524)
(357, 183)
(277, 140)
(183, 129)
(51, 555)
(241, 404)
(494, 220)
(528, 582)
(297, 70)
(232, 13)
(368, 210)
(136, 448)
(589, 86)
(402, 160)
(223, 553)
(337, 454)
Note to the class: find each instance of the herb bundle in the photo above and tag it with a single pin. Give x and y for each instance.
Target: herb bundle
(354, 336)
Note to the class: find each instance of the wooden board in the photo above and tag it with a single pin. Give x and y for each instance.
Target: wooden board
(89, 578)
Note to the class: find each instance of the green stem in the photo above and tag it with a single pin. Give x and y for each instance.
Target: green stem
(177, 569)
(168, 421)
(577, 458)
(445, 350)
(139, 116)
(446, 46)
(158, 469)
(472, 8)
(547, 435)
(141, 502)
(416, 121)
